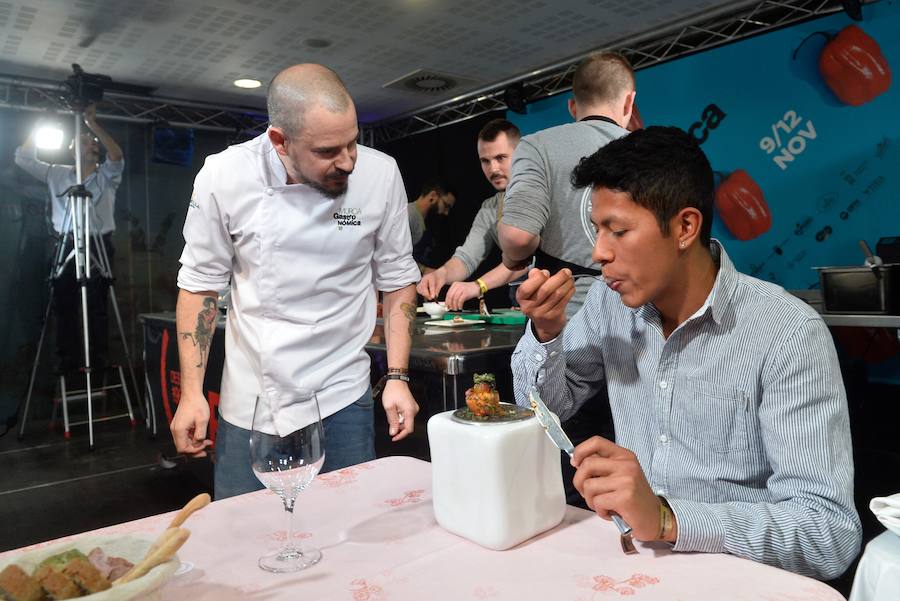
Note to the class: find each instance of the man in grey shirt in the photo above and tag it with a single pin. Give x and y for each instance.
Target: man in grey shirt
(496, 142)
(732, 429)
(543, 211)
(546, 213)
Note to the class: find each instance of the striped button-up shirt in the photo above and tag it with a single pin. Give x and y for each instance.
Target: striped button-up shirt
(738, 418)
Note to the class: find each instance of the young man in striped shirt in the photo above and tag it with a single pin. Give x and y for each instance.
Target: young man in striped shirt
(732, 433)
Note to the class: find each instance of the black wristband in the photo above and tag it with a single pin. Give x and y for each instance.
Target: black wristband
(397, 376)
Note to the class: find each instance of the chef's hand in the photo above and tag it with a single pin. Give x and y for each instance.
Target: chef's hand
(459, 293)
(431, 283)
(401, 409)
(543, 300)
(189, 426)
(610, 479)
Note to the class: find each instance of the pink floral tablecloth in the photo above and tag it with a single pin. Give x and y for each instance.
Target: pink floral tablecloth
(376, 529)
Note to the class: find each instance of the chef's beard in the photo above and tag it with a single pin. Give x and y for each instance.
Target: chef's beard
(332, 192)
(329, 192)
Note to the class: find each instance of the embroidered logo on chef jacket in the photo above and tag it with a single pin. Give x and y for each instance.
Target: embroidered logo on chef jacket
(193, 204)
(347, 216)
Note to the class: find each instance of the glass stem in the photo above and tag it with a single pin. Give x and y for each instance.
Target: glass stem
(289, 526)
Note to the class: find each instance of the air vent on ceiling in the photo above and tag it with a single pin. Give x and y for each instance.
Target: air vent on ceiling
(429, 81)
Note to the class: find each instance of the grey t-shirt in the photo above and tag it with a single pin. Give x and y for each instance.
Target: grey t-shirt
(416, 223)
(483, 235)
(540, 198)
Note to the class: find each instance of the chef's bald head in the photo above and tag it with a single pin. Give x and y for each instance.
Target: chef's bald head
(297, 89)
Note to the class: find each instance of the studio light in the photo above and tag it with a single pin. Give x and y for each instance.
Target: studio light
(48, 137)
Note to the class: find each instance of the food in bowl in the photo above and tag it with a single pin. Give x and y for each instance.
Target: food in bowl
(123, 562)
(67, 575)
(435, 310)
(16, 584)
(483, 399)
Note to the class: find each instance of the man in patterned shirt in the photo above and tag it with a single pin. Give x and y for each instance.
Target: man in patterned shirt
(732, 432)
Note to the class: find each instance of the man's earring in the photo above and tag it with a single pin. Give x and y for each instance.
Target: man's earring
(681, 245)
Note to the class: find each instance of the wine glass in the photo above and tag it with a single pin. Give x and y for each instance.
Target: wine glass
(287, 450)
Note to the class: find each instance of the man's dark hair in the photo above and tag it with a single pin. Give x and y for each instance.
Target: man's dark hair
(436, 184)
(495, 127)
(602, 77)
(663, 169)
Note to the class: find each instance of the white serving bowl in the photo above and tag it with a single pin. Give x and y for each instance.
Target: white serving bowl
(435, 310)
(131, 548)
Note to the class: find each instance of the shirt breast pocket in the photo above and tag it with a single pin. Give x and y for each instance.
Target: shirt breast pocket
(711, 415)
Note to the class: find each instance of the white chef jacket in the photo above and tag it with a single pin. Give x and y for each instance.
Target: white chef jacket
(302, 268)
(102, 185)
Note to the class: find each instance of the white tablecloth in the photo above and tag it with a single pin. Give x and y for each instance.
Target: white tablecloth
(375, 526)
(878, 573)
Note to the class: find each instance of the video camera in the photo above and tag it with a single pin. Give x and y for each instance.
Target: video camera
(81, 89)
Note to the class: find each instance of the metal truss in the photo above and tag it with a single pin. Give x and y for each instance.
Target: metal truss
(43, 96)
(711, 29)
(699, 33)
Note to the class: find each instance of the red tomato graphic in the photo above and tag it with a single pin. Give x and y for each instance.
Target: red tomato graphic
(742, 206)
(854, 67)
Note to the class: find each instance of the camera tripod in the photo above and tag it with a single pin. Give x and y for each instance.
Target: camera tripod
(89, 250)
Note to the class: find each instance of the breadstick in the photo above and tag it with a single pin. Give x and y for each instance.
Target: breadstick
(167, 533)
(198, 502)
(164, 553)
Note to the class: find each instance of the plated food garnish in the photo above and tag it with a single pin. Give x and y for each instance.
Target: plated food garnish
(483, 399)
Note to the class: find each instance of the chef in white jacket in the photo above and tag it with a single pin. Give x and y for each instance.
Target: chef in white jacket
(302, 222)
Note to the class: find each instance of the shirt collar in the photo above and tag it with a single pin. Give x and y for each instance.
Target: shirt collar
(276, 167)
(719, 297)
(726, 280)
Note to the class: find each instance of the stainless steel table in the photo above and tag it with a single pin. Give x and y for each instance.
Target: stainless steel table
(455, 352)
(862, 321)
(814, 299)
(450, 352)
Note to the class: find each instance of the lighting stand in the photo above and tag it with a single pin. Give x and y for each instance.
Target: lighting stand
(79, 215)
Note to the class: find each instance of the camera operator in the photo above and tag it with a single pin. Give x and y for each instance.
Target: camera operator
(101, 180)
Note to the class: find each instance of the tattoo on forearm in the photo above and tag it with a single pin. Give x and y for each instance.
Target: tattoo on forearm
(206, 327)
(409, 310)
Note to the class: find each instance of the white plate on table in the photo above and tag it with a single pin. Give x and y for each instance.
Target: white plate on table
(449, 323)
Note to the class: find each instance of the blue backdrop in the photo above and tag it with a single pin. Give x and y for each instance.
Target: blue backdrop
(830, 172)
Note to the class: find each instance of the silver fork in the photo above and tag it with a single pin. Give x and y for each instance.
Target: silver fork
(625, 537)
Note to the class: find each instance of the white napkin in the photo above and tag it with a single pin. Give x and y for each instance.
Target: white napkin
(887, 510)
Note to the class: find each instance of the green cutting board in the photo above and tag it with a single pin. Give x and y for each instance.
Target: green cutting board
(516, 318)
